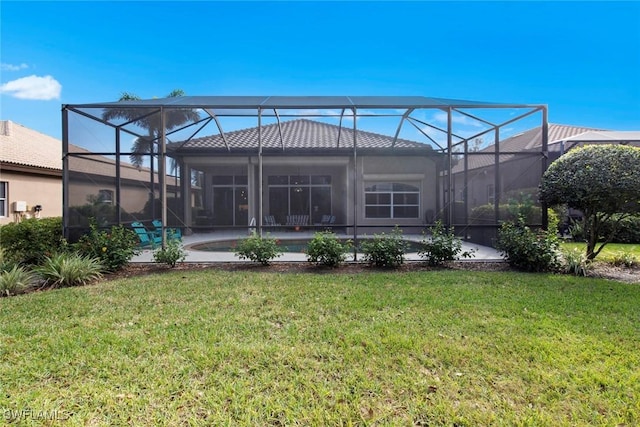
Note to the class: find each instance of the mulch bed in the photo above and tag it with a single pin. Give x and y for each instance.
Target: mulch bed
(629, 275)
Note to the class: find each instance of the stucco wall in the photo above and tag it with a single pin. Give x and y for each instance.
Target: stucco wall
(35, 190)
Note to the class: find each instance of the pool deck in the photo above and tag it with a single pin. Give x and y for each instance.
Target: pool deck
(482, 253)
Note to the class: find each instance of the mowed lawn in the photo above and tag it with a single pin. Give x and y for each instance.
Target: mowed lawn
(430, 348)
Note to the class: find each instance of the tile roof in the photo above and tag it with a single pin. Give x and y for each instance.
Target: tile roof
(298, 134)
(527, 141)
(23, 146)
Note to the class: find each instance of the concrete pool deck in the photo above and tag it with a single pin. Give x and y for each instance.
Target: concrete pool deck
(481, 253)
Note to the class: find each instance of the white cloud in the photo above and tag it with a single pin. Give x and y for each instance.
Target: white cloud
(33, 87)
(457, 119)
(12, 67)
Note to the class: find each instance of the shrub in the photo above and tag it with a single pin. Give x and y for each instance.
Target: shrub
(258, 249)
(442, 246)
(114, 249)
(172, 254)
(16, 280)
(527, 250)
(623, 260)
(326, 249)
(69, 269)
(576, 262)
(30, 240)
(385, 250)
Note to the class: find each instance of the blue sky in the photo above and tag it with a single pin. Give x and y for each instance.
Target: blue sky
(582, 59)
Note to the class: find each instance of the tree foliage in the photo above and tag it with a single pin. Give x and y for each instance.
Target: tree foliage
(150, 120)
(600, 181)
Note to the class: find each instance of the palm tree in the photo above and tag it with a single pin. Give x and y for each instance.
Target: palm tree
(149, 119)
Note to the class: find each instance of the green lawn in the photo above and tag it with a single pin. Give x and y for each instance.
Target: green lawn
(609, 251)
(250, 348)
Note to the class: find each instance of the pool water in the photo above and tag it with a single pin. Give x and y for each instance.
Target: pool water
(297, 246)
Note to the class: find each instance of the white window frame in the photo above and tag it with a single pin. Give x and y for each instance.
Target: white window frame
(392, 205)
(4, 205)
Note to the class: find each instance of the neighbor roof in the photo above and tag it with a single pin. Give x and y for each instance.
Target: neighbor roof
(297, 135)
(527, 141)
(22, 146)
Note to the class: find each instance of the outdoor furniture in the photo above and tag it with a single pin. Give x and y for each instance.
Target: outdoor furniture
(327, 220)
(172, 233)
(270, 221)
(297, 221)
(147, 238)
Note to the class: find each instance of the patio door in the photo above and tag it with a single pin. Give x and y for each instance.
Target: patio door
(230, 200)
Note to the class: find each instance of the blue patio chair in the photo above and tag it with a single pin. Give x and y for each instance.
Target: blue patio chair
(147, 238)
(172, 233)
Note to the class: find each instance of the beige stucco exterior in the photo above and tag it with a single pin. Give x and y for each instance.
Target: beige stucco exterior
(34, 189)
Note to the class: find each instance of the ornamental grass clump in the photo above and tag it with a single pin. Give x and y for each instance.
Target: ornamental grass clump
(262, 249)
(326, 249)
(16, 280)
(69, 269)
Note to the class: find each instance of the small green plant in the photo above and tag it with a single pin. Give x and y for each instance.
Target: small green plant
(326, 249)
(114, 248)
(69, 269)
(258, 249)
(16, 280)
(624, 260)
(527, 250)
(172, 254)
(442, 246)
(575, 262)
(30, 240)
(385, 250)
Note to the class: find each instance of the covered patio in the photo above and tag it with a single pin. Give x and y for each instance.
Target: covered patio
(218, 165)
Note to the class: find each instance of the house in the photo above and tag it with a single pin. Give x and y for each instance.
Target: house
(314, 176)
(30, 173)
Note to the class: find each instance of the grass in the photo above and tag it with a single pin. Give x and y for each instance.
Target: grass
(251, 348)
(609, 252)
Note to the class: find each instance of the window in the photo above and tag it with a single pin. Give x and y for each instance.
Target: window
(392, 200)
(491, 194)
(106, 196)
(3, 198)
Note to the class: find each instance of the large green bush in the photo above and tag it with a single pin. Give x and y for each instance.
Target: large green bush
(326, 249)
(258, 249)
(599, 180)
(31, 240)
(527, 250)
(385, 250)
(114, 248)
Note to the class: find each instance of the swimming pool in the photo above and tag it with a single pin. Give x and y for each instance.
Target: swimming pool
(287, 245)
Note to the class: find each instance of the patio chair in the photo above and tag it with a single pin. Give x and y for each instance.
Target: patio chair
(172, 233)
(270, 221)
(147, 238)
(297, 220)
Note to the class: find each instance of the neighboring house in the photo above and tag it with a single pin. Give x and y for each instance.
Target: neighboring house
(517, 173)
(30, 173)
(31, 178)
